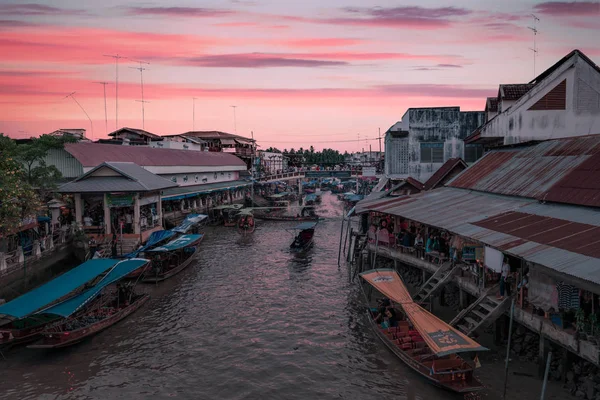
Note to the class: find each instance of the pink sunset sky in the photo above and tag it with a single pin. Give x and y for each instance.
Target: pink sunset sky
(322, 73)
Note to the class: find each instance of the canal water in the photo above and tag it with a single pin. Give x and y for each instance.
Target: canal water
(248, 321)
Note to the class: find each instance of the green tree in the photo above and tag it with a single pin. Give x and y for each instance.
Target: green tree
(18, 200)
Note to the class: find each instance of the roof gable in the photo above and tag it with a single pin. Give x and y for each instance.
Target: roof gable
(444, 171)
(140, 132)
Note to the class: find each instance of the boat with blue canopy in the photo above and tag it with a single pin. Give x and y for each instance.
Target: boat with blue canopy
(94, 309)
(18, 324)
(304, 239)
(190, 222)
(171, 258)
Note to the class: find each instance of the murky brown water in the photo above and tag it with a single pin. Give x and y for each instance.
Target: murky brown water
(248, 321)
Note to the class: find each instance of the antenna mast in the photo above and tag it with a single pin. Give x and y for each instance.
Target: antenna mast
(117, 58)
(535, 32)
(105, 110)
(71, 95)
(142, 69)
(234, 119)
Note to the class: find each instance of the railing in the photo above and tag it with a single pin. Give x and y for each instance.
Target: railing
(16, 260)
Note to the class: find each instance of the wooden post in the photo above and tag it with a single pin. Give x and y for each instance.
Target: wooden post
(340, 247)
(512, 312)
(546, 375)
(462, 301)
(543, 349)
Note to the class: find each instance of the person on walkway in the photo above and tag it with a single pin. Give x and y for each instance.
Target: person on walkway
(128, 222)
(113, 246)
(504, 285)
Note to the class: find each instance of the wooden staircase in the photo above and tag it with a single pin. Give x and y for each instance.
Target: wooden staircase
(481, 313)
(436, 282)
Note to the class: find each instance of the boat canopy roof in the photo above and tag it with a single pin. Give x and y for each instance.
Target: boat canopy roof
(278, 195)
(60, 286)
(188, 222)
(154, 239)
(311, 197)
(306, 225)
(355, 197)
(179, 243)
(245, 211)
(75, 303)
(228, 206)
(441, 338)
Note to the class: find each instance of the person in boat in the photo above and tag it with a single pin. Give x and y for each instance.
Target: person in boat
(113, 246)
(382, 305)
(123, 293)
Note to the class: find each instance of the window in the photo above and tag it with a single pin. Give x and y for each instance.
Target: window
(473, 152)
(432, 152)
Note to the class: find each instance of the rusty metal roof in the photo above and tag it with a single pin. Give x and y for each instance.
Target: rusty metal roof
(92, 154)
(560, 170)
(443, 172)
(560, 237)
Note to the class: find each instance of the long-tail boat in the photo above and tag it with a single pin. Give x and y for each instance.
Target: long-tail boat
(422, 341)
(93, 310)
(172, 258)
(18, 322)
(246, 223)
(304, 239)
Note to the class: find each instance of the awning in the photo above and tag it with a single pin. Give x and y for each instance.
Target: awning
(74, 304)
(153, 240)
(188, 222)
(228, 141)
(243, 141)
(59, 287)
(183, 192)
(179, 243)
(305, 225)
(441, 338)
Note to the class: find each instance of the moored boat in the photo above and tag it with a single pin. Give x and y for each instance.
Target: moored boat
(304, 239)
(426, 344)
(19, 323)
(172, 258)
(93, 310)
(297, 218)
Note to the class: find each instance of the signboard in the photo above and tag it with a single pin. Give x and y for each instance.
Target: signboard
(369, 171)
(324, 174)
(119, 200)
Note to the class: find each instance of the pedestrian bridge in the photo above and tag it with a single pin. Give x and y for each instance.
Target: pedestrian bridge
(309, 174)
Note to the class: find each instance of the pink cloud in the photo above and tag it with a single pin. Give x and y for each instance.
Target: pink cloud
(257, 60)
(192, 12)
(321, 42)
(29, 9)
(569, 8)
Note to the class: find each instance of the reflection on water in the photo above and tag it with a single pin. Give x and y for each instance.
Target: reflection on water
(249, 320)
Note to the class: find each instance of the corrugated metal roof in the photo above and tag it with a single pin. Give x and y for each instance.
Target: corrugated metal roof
(92, 154)
(460, 211)
(140, 132)
(561, 170)
(193, 190)
(132, 178)
(443, 171)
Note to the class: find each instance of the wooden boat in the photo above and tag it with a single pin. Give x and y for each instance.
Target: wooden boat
(304, 239)
(88, 324)
(75, 313)
(19, 321)
(172, 258)
(286, 218)
(422, 341)
(246, 223)
(224, 214)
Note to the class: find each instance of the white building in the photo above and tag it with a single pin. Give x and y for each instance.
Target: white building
(272, 163)
(425, 138)
(563, 101)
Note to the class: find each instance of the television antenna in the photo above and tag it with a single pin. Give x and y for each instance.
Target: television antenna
(117, 58)
(535, 32)
(105, 111)
(234, 119)
(141, 69)
(72, 95)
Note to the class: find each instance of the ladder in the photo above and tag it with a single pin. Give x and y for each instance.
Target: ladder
(436, 282)
(481, 313)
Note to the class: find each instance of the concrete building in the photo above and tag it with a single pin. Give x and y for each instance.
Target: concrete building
(223, 142)
(131, 136)
(364, 158)
(563, 101)
(272, 163)
(78, 134)
(425, 138)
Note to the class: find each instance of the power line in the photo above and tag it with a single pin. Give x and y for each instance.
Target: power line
(105, 109)
(71, 95)
(322, 141)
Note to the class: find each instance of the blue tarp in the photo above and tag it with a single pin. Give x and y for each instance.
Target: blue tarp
(179, 243)
(59, 287)
(41, 218)
(154, 239)
(189, 221)
(305, 225)
(72, 305)
(310, 197)
(356, 197)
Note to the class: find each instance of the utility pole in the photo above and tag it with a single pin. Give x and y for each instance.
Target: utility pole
(117, 58)
(194, 114)
(71, 95)
(105, 110)
(535, 32)
(252, 166)
(234, 119)
(142, 69)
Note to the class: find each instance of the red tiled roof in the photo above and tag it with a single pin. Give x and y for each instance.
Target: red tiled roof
(514, 91)
(560, 170)
(92, 154)
(443, 172)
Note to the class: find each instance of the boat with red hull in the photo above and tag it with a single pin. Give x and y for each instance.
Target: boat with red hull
(422, 341)
(76, 330)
